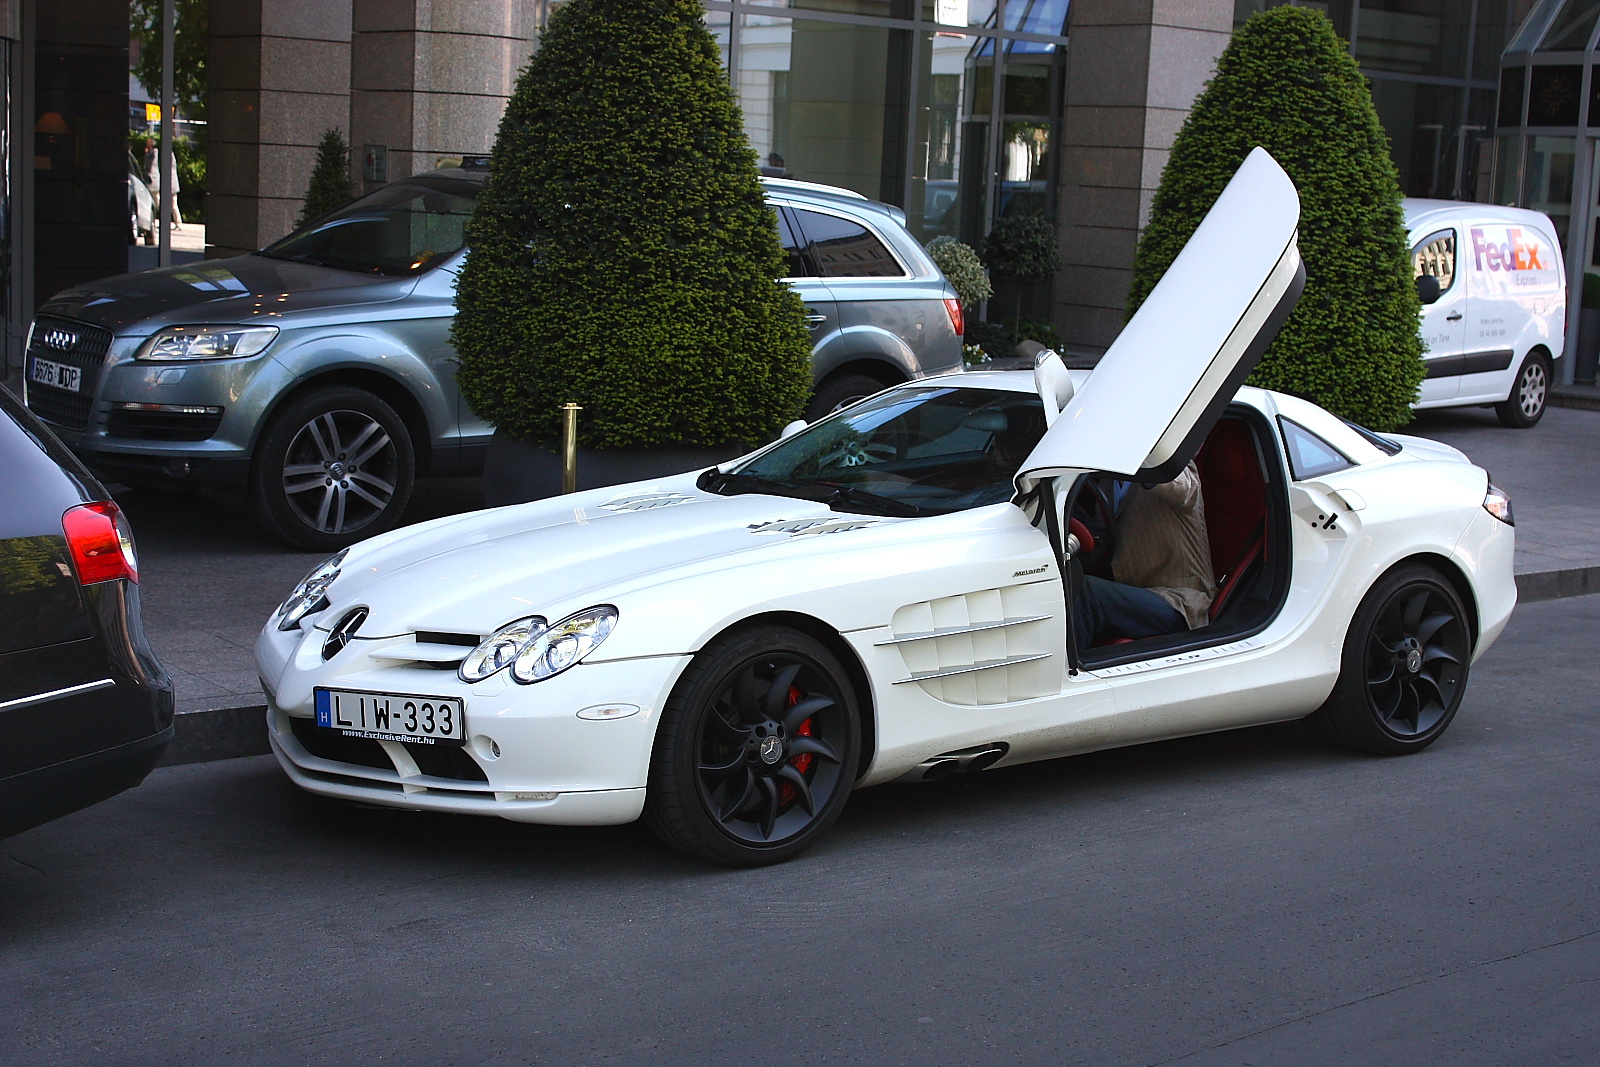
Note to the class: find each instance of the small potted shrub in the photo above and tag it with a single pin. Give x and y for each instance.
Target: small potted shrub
(965, 272)
(1022, 250)
(624, 259)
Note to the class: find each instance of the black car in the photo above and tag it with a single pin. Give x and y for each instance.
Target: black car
(85, 708)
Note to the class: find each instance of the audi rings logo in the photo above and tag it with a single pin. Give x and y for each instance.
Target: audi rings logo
(343, 632)
(59, 339)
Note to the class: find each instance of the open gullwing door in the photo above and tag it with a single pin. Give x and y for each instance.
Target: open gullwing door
(1158, 390)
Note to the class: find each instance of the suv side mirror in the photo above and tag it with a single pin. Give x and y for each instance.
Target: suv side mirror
(1427, 288)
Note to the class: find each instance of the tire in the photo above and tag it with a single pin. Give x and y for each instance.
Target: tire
(735, 776)
(840, 391)
(1525, 406)
(1404, 667)
(333, 467)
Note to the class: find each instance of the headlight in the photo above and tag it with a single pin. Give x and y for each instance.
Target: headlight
(1498, 503)
(564, 644)
(311, 595)
(499, 649)
(207, 342)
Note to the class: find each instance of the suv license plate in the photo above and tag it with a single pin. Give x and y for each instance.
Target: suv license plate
(60, 375)
(393, 716)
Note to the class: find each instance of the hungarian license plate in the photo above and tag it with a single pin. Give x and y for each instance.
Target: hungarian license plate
(60, 375)
(393, 716)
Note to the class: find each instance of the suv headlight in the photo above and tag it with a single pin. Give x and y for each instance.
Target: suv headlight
(207, 342)
(311, 595)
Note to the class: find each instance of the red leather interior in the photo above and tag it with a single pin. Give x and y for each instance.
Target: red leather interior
(1236, 503)
(1085, 538)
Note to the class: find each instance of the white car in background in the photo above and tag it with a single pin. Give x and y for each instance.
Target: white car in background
(1494, 305)
(884, 595)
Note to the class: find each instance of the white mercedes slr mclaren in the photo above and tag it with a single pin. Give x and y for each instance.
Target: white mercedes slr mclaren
(886, 595)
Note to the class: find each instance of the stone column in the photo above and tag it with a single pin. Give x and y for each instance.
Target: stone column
(1134, 68)
(279, 74)
(430, 78)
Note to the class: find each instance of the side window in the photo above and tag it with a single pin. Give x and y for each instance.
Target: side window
(846, 249)
(1309, 455)
(1436, 255)
(793, 247)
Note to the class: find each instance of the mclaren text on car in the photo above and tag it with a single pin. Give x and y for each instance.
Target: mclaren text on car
(887, 594)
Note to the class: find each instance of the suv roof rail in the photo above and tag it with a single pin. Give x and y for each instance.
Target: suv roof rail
(813, 187)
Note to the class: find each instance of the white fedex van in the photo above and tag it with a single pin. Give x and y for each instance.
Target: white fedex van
(1494, 296)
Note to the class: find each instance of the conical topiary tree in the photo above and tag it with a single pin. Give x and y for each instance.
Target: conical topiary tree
(1288, 83)
(331, 186)
(623, 255)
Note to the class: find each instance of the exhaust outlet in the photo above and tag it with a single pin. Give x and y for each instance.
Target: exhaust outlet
(962, 761)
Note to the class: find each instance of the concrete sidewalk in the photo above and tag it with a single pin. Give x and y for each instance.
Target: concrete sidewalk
(209, 577)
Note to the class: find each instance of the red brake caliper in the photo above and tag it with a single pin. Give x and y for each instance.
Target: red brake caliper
(802, 763)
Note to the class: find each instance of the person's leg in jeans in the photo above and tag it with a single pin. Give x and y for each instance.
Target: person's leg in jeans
(1106, 610)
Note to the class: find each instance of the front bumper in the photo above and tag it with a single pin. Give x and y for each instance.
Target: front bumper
(528, 756)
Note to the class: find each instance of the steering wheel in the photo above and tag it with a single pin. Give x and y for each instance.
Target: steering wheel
(1097, 501)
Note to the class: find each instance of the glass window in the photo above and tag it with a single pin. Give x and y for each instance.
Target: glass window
(846, 249)
(1547, 186)
(911, 451)
(1436, 255)
(793, 247)
(1571, 29)
(1425, 134)
(1507, 170)
(1553, 95)
(1414, 36)
(1511, 85)
(403, 228)
(1309, 455)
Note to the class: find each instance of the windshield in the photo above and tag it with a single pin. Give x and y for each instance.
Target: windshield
(402, 229)
(917, 451)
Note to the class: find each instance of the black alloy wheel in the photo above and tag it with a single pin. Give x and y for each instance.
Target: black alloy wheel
(1405, 666)
(1525, 406)
(757, 749)
(333, 467)
(841, 391)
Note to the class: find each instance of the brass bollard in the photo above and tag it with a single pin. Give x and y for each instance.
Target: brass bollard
(569, 447)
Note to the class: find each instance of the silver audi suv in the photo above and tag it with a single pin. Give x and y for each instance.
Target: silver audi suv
(318, 375)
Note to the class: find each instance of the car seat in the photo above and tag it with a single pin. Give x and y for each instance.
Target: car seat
(1235, 492)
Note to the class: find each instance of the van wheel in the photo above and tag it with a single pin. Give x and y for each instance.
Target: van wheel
(840, 391)
(1525, 406)
(332, 468)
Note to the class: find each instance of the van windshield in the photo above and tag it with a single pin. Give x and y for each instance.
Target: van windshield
(402, 229)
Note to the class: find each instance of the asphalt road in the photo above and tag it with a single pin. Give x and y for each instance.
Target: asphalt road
(1246, 898)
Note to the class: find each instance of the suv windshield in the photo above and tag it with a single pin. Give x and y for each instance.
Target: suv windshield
(402, 229)
(918, 451)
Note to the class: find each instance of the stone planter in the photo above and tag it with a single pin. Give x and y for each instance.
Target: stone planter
(516, 471)
(1588, 346)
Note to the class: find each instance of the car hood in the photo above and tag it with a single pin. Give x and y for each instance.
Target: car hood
(470, 574)
(240, 289)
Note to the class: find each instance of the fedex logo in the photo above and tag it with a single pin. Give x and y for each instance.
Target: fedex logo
(1518, 252)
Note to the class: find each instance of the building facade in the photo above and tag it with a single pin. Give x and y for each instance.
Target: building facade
(962, 112)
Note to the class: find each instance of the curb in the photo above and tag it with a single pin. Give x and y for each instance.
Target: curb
(1584, 397)
(229, 733)
(1556, 585)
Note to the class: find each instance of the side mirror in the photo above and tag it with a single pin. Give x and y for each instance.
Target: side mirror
(793, 428)
(1427, 288)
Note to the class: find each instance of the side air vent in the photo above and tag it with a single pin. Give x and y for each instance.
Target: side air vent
(430, 649)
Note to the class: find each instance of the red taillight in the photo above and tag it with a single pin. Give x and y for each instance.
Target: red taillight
(101, 543)
(958, 321)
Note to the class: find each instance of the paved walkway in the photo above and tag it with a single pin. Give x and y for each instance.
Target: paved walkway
(1551, 471)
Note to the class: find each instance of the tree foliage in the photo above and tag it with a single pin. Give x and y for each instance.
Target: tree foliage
(1023, 247)
(962, 268)
(189, 51)
(331, 186)
(1288, 83)
(623, 253)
